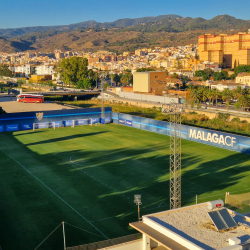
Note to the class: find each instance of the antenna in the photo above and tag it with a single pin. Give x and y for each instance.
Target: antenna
(137, 201)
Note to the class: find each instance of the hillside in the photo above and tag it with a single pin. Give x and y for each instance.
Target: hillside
(121, 23)
(124, 34)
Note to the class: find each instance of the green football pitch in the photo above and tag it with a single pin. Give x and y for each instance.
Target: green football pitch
(87, 176)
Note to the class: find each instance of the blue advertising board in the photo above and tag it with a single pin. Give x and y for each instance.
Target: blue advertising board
(129, 123)
(13, 127)
(95, 120)
(26, 126)
(121, 121)
(68, 123)
(82, 122)
(57, 124)
(105, 120)
(41, 125)
(214, 138)
(1, 128)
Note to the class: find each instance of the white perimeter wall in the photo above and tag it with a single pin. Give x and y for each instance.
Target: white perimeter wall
(149, 98)
(132, 245)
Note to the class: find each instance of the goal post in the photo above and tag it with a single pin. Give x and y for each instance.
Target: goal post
(82, 122)
(43, 125)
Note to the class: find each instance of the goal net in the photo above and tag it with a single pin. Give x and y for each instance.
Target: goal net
(45, 125)
(82, 122)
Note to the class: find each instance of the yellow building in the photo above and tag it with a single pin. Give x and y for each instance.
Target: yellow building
(151, 81)
(234, 49)
(40, 78)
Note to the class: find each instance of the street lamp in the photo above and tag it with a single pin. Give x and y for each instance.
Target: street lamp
(137, 201)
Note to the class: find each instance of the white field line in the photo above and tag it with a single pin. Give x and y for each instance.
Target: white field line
(55, 194)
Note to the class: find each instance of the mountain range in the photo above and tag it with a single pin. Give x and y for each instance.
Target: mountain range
(120, 35)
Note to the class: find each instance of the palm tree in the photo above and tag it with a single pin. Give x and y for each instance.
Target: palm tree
(204, 93)
(195, 95)
(227, 95)
(244, 99)
(237, 93)
(212, 95)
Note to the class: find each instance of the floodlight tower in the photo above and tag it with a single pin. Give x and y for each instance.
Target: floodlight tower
(175, 157)
(103, 76)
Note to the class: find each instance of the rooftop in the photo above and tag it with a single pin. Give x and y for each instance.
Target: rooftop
(194, 224)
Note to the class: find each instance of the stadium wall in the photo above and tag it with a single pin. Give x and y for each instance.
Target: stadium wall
(44, 119)
(210, 137)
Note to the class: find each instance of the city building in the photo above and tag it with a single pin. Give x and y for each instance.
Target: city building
(233, 50)
(151, 81)
(243, 78)
(44, 69)
(226, 85)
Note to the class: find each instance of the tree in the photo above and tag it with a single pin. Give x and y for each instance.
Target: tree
(20, 83)
(235, 64)
(126, 79)
(204, 93)
(244, 101)
(227, 95)
(115, 78)
(184, 80)
(195, 94)
(86, 83)
(237, 92)
(205, 77)
(145, 69)
(241, 68)
(199, 73)
(106, 85)
(212, 95)
(73, 69)
(4, 71)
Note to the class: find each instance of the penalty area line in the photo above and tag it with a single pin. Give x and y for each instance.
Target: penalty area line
(55, 194)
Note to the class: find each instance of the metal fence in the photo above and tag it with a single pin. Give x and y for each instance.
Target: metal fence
(107, 243)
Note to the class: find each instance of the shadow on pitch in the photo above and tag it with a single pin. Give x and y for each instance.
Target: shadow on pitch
(65, 138)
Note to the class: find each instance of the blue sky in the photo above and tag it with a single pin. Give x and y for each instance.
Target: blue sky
(24, 13)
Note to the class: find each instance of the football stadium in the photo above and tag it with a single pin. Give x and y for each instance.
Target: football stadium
(84, 171)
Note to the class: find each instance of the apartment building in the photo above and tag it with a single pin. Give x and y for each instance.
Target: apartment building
(243, 78)
(45, 69)
(22, 69)
(109, 58)
(151, 81)
(234, 50)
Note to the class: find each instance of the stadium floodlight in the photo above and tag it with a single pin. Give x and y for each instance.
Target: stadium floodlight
(137, 201)
(103, 77)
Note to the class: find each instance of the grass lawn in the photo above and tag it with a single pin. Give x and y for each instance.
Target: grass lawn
(87, 176)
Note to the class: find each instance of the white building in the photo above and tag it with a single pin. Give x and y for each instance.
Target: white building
(22, 69)
(45, 69)
(226, 85)
(243, 78)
